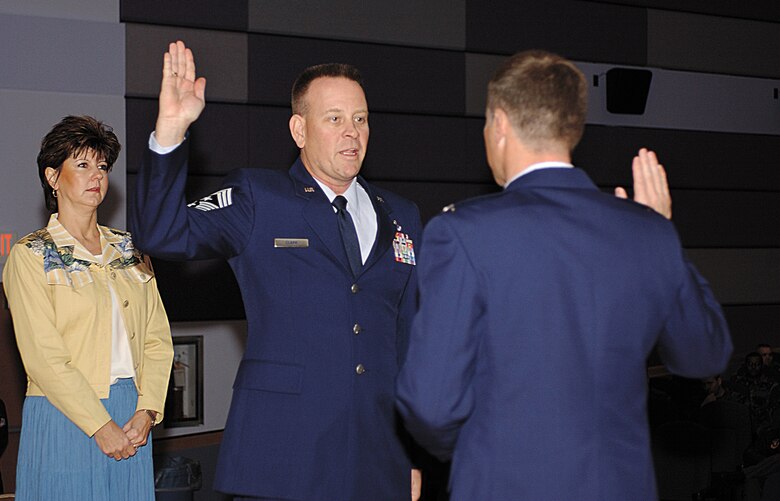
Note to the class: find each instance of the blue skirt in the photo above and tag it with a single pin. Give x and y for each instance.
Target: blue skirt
(57, 461)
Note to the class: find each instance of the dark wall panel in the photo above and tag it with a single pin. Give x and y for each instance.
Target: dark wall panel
(692, 159)
(230, 15)
(219, 56)
(413, 147)
(727, 219)
(270, 144)
(219, 140)
(741, 276)
(196, 290)
(713, 44)
(761, 10)
(753, 324)
(579, 30)
(399, 79)
(425, 87)
(432, 23)
(431, 198)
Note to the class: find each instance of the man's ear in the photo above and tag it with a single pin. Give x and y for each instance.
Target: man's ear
(51, 175)
(297, 130)
(501, 122)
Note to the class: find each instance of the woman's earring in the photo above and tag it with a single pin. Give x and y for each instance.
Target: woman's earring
(54, 193)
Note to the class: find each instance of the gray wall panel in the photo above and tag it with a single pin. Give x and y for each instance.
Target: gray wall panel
(741, 276)
(576, 29)
(434, 23)
(677, 99)
(46, 54)
(221, 57)
(713, 44)
(398, 79)
(83, 10)
(693, 101)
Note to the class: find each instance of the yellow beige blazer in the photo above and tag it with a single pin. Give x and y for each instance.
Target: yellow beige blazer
(61, 309)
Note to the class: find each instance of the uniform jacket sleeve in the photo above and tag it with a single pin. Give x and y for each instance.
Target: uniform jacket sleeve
(162, 223)
(695, 342)
(435, 391)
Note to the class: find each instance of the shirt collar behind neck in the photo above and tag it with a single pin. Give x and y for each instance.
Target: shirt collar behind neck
(539, 166)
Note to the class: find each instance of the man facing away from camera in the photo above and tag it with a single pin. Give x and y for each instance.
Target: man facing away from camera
(551, 261)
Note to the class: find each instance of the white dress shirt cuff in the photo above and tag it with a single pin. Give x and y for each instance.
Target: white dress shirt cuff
(160, 150)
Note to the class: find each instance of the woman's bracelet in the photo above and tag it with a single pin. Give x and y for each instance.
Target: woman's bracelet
(152, 415)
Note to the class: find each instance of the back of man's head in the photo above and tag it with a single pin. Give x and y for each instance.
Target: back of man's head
(545, 98)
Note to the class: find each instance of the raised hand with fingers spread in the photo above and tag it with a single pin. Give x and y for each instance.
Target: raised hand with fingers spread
(182, 95)
(650, 185)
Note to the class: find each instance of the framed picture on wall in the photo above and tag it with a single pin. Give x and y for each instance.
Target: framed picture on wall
(184, 405)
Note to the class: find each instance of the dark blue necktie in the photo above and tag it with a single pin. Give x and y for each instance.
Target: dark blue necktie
(348, 234)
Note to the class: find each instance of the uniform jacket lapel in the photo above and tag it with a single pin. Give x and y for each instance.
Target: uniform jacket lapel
(319, 213)
(385, 228)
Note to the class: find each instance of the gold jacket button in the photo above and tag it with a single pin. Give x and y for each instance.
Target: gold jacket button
(356, 329)
(360, 369)
(113, 275)
(355, 288)
(125, 303)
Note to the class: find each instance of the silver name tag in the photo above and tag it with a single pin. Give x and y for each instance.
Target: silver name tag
(291, 242)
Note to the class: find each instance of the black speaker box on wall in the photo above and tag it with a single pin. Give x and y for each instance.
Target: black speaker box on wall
(627, 90)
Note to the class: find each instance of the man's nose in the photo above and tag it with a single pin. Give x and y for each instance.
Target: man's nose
(351, 130)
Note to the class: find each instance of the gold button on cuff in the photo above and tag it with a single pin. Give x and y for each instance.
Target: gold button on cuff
(360, 369)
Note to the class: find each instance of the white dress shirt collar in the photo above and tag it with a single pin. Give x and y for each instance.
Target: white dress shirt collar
(362, 211)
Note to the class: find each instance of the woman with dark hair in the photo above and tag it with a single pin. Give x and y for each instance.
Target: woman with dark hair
(92, 332)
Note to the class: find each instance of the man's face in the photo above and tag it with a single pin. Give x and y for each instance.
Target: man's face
(333, 131)
(766, 355)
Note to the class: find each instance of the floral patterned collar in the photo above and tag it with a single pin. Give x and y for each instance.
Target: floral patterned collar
(64, 255)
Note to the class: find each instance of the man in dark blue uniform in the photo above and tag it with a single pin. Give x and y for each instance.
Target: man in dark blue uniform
(326, 267)
(550, 261)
